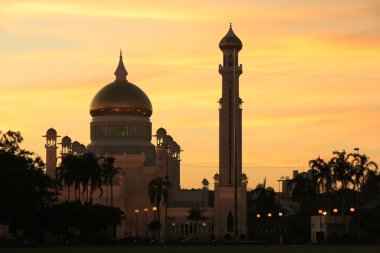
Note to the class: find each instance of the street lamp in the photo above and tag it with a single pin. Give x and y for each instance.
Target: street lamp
(146, 221)
(320, 212)
(353, 211)
(259, 222)
(280, 214)
(335, 211)
(167, 147)
(154, 209)
(269, 216)
(137, 222)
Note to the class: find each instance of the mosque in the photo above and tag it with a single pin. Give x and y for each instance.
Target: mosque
(121, 128)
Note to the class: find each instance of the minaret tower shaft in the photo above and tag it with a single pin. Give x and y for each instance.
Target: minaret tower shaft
(230, 113)
(230, 194)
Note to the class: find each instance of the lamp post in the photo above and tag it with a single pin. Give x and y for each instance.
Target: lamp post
(320, 212)
(137, 222)
(353, 212)
(335, 212)
(154, 209)
(146, 222)
(258, 217)
(269, 216)
(280, 214)
(167, 148)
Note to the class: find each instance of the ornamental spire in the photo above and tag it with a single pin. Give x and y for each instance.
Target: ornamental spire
(120, 72)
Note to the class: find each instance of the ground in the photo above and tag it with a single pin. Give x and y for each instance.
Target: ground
(208, 248)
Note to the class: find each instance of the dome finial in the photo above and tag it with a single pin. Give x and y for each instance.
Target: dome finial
(230, 24)
(120, 72)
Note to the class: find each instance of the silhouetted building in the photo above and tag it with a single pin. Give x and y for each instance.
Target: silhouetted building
(121, 128)
(230, 144)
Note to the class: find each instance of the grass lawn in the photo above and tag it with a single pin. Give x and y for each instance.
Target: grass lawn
(209, 248)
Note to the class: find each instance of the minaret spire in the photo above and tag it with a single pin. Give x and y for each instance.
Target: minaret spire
(120, 72)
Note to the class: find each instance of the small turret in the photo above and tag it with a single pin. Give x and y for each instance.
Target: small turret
(51, 151)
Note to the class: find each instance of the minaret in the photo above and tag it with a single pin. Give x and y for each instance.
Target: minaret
(230, 193)
(230, 123)
(51, 151)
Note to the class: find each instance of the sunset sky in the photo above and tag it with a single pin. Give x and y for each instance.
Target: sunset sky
(310, 82)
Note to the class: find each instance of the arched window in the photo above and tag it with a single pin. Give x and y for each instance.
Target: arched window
(229, 60)
(230, 222)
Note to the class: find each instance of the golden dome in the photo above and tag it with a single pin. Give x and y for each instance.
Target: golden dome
(121, 97)
(230, 41)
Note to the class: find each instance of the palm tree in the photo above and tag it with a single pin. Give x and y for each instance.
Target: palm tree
(343, 173)
(66, 173)
(370, 187)
(109, 172)
(322, 173)
(342, 169)
(196, 215)
(323, 178)
(158, 190)
(264, 197)
(92, 175)
(62, 176)
(362, 167)
(304, 188)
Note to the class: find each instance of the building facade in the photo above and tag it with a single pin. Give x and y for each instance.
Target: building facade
(121, 128)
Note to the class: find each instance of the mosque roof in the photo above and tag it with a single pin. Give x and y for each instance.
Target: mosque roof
(121, 97)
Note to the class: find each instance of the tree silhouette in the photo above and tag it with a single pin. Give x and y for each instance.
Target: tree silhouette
(264, 197)
(158, 190)
(109, 172)
(24, 187)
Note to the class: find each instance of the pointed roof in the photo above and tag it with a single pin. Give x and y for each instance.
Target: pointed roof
(120, 72)
(121, 97)
(230, 41)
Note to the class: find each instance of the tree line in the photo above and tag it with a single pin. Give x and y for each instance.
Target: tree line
(29, 197)
(348, 183)
(86, 174)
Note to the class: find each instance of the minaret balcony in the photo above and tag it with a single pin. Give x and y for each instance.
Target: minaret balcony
(230, 69)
